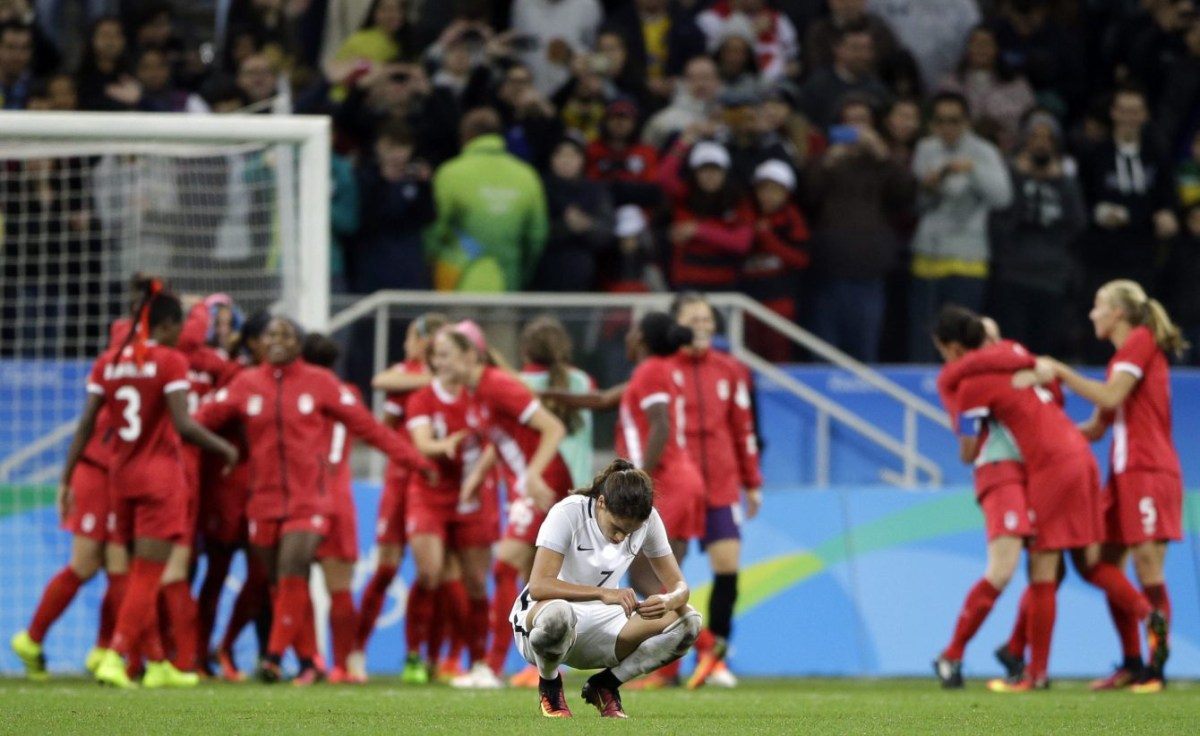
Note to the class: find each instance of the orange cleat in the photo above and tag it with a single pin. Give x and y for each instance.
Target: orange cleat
(1120, 679)
(1024, 685)
(527, 677)
(707, 661)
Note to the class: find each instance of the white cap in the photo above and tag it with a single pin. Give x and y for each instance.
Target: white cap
(631, 221)
(707, 153)
(776, 171)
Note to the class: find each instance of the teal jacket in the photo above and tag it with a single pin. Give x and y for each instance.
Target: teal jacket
(491, 220)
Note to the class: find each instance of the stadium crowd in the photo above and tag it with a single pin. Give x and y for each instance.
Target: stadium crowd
(854, 164)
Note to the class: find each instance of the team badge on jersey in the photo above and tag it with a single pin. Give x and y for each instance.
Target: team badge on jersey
(254, 405)
(306, 404)
(723, 390)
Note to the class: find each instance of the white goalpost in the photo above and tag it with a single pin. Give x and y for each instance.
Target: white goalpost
(220, 203)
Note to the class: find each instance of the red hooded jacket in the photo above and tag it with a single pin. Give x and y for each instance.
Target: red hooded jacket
(720, 424)
(286, 411)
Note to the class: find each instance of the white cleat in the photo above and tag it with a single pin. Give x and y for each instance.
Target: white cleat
(356, 665)
(480, 677)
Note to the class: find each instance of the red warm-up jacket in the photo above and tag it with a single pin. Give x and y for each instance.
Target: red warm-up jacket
(286, 411)
(720, 424)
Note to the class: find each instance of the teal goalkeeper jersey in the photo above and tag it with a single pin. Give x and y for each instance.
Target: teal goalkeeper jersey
(576, 449)
(998, 446)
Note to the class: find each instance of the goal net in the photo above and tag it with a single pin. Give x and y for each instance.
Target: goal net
(228, 204)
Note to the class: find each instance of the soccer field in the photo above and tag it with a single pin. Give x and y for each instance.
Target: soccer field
(758, 706)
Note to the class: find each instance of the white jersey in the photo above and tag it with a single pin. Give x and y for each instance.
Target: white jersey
(589, 558)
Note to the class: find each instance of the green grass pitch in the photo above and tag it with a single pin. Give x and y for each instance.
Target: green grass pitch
(816, 706)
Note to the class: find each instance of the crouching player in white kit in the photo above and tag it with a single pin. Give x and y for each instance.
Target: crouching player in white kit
(573, 612)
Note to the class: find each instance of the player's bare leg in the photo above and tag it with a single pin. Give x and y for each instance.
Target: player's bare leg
(646, 583)
(476, 563)
(1043, 586)
(551, 627)
(1149, 563)
(293, 606)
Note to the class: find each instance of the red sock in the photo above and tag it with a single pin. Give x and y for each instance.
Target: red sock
(444, 620)
(460, 620)
(418, 618)
(306, 635)
(113, 595)
(1020, 632)
(343, 625)
(1127, 630)
(975, 609)
(1157, 595)
(1116, 586)
(373, 598)
(219, 559)
(59, 593)
(181, 611)
(1042, 610)
(706, 641)
(290, 599)
(505, 593)
(137, 621)
(248, 603)
(476, 628)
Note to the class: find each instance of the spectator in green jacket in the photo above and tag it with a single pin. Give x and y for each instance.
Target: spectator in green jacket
(491, 213)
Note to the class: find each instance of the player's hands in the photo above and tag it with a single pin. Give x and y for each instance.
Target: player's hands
(429, 472)
(653, 607)
(450, 444)
(623, 597)
(1047, 369)
(62, 501)
(469, 492)
(753, 502)
(542, 494)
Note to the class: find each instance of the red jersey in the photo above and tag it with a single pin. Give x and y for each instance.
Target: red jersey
(656, 381)
(719, 425)
(504, 407)
(286, 412)
(393, 405)
(1142, 423)
(98, 450)
(446, 413)
(1045, 435)
(146, 448)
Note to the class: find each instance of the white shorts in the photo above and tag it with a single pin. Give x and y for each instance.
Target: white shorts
(597, 626)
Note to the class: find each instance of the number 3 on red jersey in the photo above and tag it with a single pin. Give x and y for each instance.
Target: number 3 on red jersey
(133, 419)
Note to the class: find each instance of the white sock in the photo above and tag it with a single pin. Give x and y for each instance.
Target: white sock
(552, 636)
(661, 649)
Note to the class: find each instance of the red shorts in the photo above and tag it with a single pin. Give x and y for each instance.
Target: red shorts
(390, 526)
(268, 532)
(341, 543)
(89, 502)
(223, 505)
(149, 517)
(1005, 511)
(1143, 506)
(1064, 500)
(680, 502)
(458, 528)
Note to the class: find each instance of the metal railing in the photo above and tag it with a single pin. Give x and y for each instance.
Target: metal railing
(905, 447)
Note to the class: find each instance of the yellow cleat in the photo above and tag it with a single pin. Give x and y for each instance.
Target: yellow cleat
(164, 674)
(1024, 685)
(30, 653)
(1152, 683)
(93, 659)
(111, 671)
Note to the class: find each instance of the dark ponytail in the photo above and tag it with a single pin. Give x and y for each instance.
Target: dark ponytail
(958, 324)
(152, 308)
(662, 335)
(627, 491)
